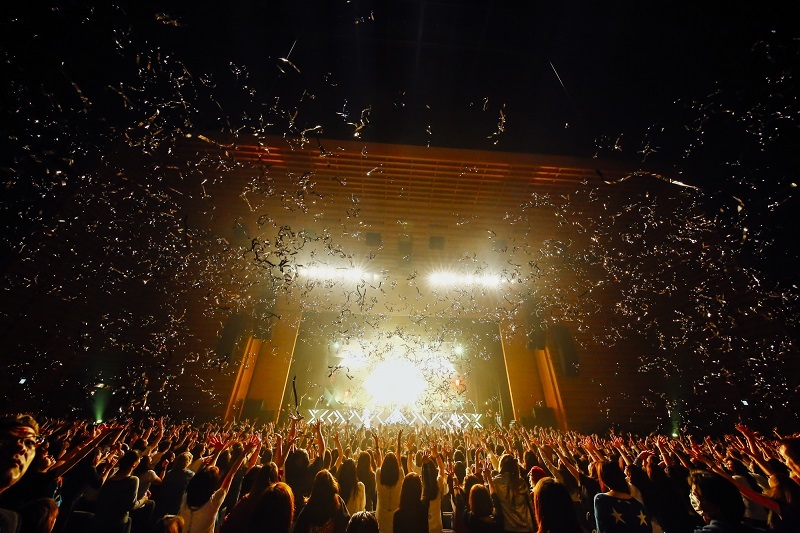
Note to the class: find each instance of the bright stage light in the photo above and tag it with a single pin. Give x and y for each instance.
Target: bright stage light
(334, 274)
(354, 360)
(395, 382)
(444, 278)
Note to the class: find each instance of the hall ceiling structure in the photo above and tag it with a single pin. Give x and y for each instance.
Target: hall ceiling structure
(402, 213)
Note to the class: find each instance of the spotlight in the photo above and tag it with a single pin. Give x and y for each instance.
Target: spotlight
(395, 382)
(446, 279)
(333, 274)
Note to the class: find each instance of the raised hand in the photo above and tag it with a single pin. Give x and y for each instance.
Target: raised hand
(252, 443)
(216, 443)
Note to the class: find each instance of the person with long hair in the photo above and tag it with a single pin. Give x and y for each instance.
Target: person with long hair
(389, 483)
(514, 497)
(782, 498)
(274, 511)
(412, 513)
(173, 486)
(203, 498)
(718, 501)
(555, 511)
(324, 509)
(117, 496)
(615, 510)
(366, 475)
(433, 484)
(754, 514)
(351, 489)
(300, 471)
(483, 515)
(239, 517)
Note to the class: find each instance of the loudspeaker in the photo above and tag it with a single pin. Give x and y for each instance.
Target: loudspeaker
(436, 242)
(563, 349)
(543, 417)
(253, 408)
(537, 333)
(537, 338)
(230, 336)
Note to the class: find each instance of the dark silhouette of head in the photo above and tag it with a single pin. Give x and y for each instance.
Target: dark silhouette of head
(717, 498)
(411, 492)
(276, 508)
(363, 522)
(390, 471)
(553, 506)
(612, 477)
(480, 501)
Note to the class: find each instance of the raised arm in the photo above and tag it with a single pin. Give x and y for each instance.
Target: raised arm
(591, 449)
(745, 489)
(319, 438)
(398, 448)
(663, 448)
(378, 451)
(619, 444)
(75, 455)
(152, 446)
(438, 457)
(255, 439)
(340, 457)
(228, 479)
(567, 463)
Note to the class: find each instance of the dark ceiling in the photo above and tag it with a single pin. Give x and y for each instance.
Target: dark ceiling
(565, 73)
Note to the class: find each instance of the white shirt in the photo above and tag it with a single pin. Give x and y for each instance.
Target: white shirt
(388, 502)
(202, 520)
(358, 499)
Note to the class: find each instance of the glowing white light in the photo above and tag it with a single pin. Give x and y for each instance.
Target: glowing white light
(22, 381)
(446, 279)
(459, 350)
(395, 382)
(354, 360)
(437, 364)
(333, 274)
